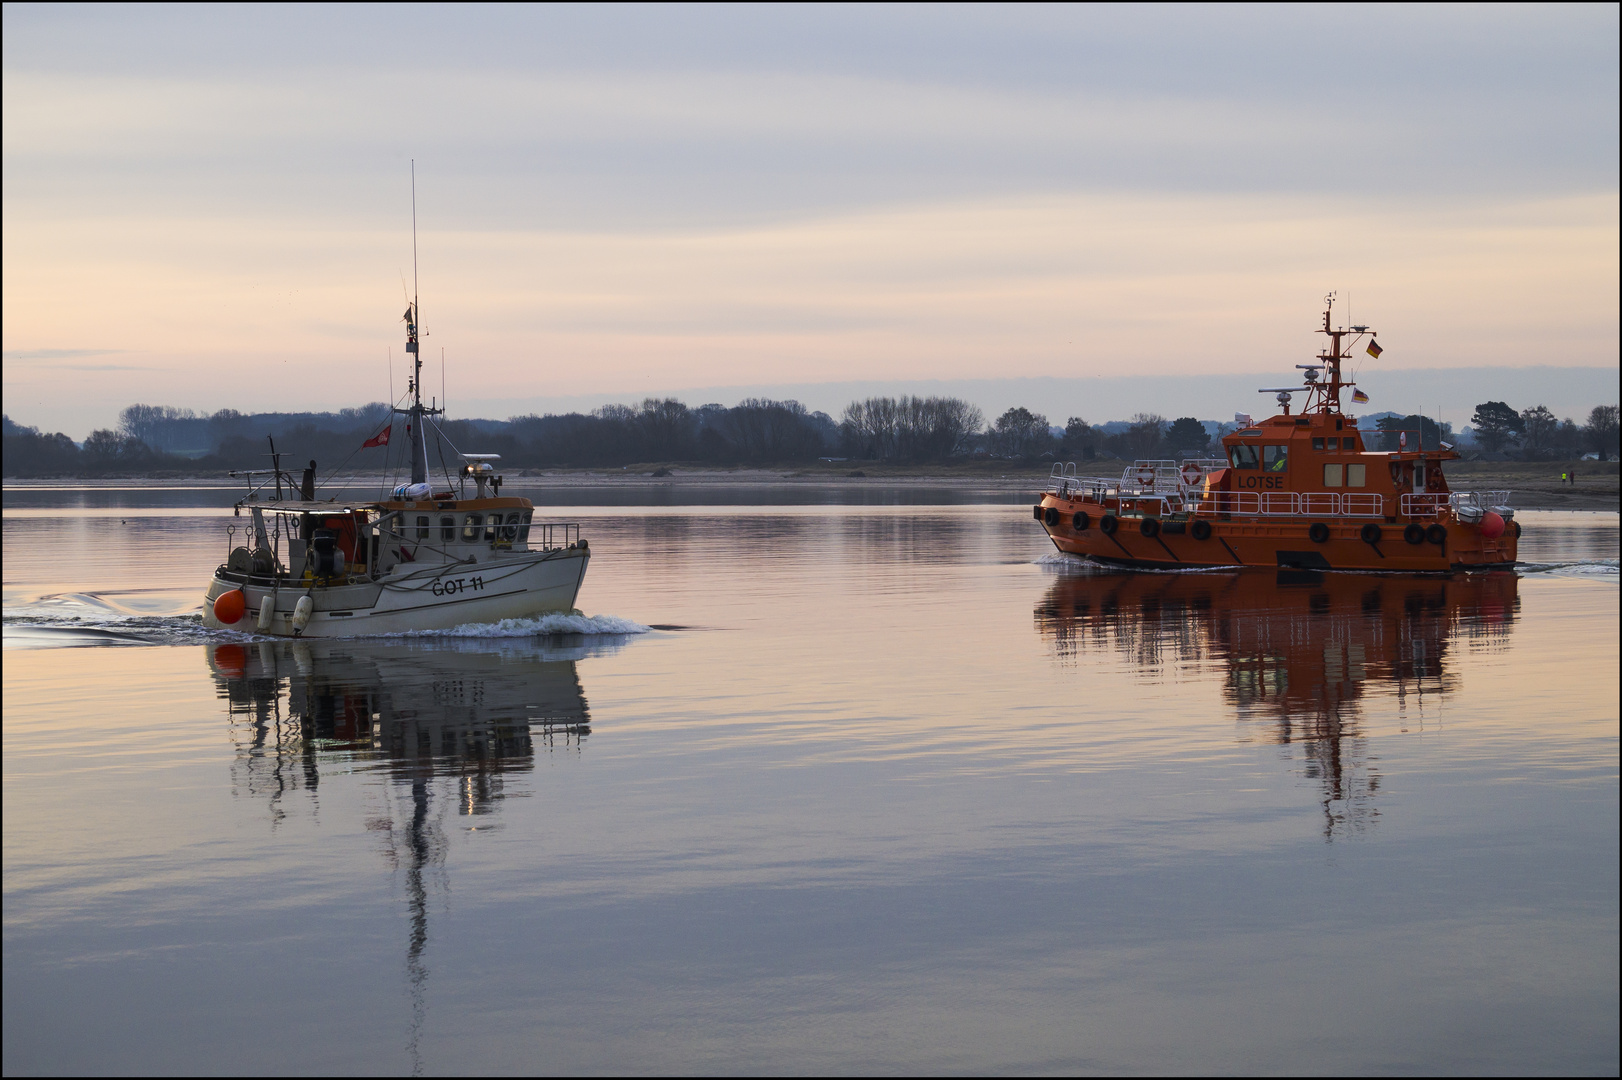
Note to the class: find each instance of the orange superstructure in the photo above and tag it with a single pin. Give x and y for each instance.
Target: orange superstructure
(1301, 490)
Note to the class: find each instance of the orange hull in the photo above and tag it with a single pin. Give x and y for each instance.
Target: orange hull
(1262, 542)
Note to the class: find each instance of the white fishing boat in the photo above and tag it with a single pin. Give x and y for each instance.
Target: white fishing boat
(425, 558)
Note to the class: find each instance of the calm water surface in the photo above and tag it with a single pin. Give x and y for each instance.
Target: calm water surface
(888, 787)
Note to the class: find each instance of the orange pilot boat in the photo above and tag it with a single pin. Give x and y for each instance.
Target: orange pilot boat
(1297, 490)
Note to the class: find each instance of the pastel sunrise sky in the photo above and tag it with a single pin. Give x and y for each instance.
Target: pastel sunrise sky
(210, 207)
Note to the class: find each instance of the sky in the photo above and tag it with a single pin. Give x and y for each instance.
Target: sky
(211, 207)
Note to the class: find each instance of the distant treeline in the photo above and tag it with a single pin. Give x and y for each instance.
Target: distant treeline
(756, 431)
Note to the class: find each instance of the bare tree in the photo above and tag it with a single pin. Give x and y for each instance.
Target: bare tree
(1021, 433)
(1538, 427)
(1601, 431)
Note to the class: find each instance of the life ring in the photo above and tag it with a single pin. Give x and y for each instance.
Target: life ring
(1201, 530)
(1318, 533)
(1036, 511)
(1414, 534)
(1149, 527)
(1109, 523)
(1051, 516)
(1371, 533)
(1436, 534)
(1079, 521)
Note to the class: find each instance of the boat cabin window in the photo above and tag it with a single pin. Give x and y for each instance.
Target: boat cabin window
(1274, 458)
(1356, 475)
(523, 527)
(470, 527)
(1333, 475)
(1318, 444)
(422, 527)
(509, 531)
(1242, 456)
(492, 529)
(447, 529)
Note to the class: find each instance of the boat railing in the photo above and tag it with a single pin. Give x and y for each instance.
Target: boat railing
(1480, 500)
(547, 535)
(1152, 476)
(1422, 504)
(1064, 483)
(1362, 504)
(1425, 503)
(1318, 504)
(1192, 472)
(1243, 503)
(1280, 504)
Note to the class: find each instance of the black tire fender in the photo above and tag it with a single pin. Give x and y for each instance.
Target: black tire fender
(1079, 521)
(1371, 533)
(1051, 516)
(1109, 523)
(1436, 534)
(1150, 527)
(1517, 529)
(1414, 533)
(1201, 530)
(1318, 533)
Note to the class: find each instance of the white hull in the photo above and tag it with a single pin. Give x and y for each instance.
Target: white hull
(516, 586)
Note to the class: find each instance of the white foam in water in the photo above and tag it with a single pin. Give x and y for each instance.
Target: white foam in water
(1065, 563)
(1583, 567)
(40, 629)
(544, 625)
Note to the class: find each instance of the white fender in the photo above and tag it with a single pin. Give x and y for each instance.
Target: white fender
(302, 612)
(267, 612)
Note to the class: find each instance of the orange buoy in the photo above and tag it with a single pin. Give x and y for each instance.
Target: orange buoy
(1492, 526)
(229, 607)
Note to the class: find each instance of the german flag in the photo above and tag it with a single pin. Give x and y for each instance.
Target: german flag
(1375, 350)
(1360, 397)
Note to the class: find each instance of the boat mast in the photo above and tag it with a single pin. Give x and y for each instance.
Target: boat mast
(1331, 359)
(419, 442)
(417, 414)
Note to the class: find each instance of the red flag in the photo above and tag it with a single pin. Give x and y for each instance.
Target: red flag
(380, 439)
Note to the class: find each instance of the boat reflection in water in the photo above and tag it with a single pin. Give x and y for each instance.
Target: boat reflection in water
(432, 714)
(1303, 653)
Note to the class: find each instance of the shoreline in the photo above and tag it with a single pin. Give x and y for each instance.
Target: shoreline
(1532, 485)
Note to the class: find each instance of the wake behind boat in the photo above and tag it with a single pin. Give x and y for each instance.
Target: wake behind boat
(421, 559)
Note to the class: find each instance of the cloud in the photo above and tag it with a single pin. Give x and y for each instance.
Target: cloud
(797, 195)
